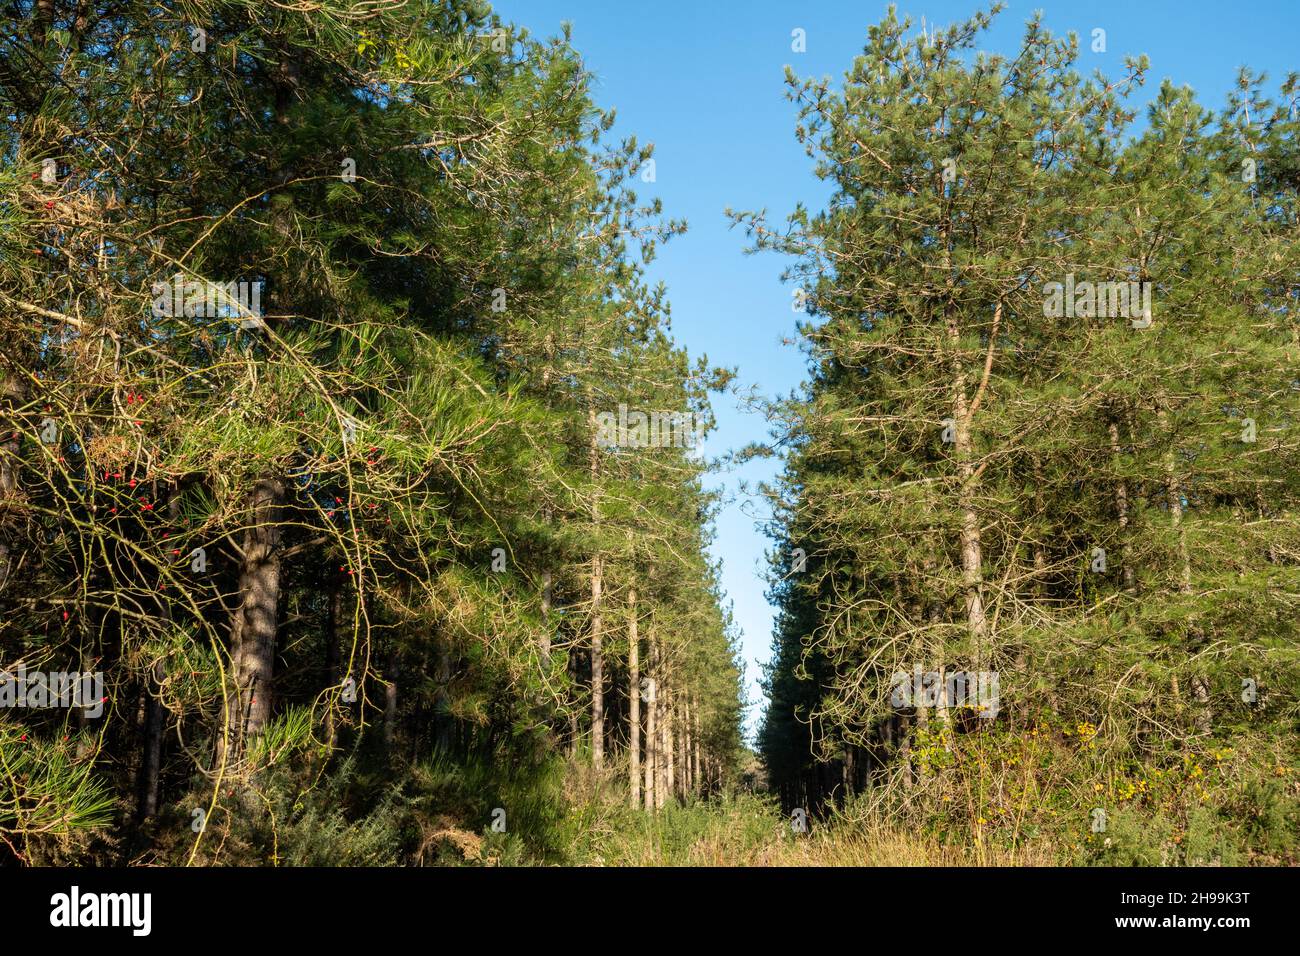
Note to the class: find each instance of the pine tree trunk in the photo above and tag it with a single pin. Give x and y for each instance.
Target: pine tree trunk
(548, 517)
(661, 755)
(597, 669)
(253, 630)
(634, 701)
(686, 745)
(971, 557)
(597, 572)
(151, 759)
(253, 627)
(661, 720)
(651, 746)
(670, 741)
(1174, 496)
(390, 704)
(695, 747)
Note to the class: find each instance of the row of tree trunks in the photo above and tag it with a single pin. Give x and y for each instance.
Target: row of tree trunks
(665, 761)
(663, 729)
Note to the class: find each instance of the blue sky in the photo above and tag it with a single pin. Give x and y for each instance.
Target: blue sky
(703, 81)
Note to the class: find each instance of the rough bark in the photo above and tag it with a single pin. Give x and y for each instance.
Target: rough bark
(670, 753)
(390, 704)
(660, 720)
(597, 652)
(971, 556)
(253, 627)
(686, 744)
(695, 748)
(634, 701)
(651, 746)
(151, 757)
(597, 668)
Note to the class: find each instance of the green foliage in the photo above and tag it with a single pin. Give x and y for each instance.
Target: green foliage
(466, 793)
(1070, 498)
(49, 785)
(277, 532)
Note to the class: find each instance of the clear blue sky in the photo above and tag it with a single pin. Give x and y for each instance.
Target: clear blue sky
(702, 80)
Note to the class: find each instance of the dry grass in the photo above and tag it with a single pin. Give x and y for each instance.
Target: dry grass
(749, 831)
(884, 848)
